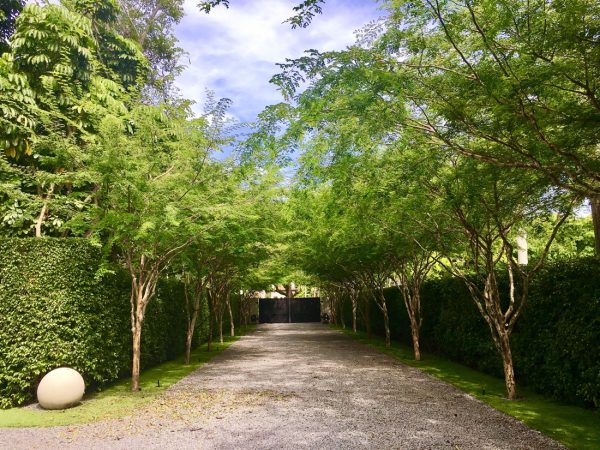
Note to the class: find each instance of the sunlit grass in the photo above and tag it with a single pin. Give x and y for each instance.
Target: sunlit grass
(116, 400)
(577, 428)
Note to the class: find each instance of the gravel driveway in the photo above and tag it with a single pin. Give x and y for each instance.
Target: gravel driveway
(299, 386)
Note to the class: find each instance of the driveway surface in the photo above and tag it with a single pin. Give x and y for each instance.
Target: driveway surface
(288, 386)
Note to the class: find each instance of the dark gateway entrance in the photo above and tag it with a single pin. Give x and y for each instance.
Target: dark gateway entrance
(285, 310)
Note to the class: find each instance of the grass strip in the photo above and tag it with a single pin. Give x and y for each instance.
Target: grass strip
(117, 400)
(577, 428)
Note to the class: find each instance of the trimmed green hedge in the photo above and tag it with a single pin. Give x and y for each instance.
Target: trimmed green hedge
(556, 343)
(54, 311)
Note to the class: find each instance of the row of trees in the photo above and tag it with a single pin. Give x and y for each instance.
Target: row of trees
(450, 132)
(95, 143)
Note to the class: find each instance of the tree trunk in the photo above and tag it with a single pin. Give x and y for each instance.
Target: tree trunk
(354, 301)
(595, 204)
(412, 302)
(368, 317)
(220, 323)
(339, 305)
(507, 364)
(210, 323)
(40, 220)
(414, 331)
(190, 333)
(231, 323)
(386, 322)
(43, 213)
(332, 311)
(140, 295)
(136, 356)
(137, 319)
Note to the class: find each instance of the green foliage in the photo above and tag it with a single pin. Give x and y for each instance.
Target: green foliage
(305, 11)
(556, 346)
(57, 310)
(151, 24)
(64, 72)
(18, 109)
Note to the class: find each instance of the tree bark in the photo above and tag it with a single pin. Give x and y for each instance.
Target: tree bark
(386, 323)
(192, 312)
(210, 323)
(220, 323)
(339, 305)
(43, 213)
(414, 331)
(354, 306)
(190, 333)
(332, 309)
(411, 295)
(231, 322)
(367, 308)
(140, 292)
(136, 354)
(595, 204)
(507, 364)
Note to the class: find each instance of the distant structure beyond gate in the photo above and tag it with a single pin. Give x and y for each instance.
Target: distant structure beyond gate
(288, 310)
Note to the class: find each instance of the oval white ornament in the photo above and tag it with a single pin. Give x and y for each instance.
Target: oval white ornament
(60, 388)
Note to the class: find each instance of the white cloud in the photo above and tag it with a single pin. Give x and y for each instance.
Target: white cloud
(233, 51)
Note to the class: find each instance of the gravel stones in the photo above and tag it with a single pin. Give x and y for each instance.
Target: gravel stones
(305, 386)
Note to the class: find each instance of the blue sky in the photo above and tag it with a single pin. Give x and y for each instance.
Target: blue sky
(233, 51)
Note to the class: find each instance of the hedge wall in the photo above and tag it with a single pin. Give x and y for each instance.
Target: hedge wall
(556, 343)
(54, 311)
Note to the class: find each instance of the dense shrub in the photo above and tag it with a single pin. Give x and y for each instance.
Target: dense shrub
(56, 311)
(556, 343)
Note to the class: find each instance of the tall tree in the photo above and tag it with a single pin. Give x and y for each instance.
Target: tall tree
(485, 209)
(151, 23)
(148, 200)
(512, 83)
(56, 85)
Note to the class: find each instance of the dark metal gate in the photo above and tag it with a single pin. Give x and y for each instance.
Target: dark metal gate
(285, 310)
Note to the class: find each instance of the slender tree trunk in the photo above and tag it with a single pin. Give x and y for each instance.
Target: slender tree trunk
(220, 323)
(354, 305)
(414, 331)
(243, 310)
(137, 350)
(386, 323)
(412, 302)
(341, 312)
(367, 307)
(190, 333)
(231, 323)
(507, 364)
(137, 320)
(210, 322)
(595, 204)
(43, 213)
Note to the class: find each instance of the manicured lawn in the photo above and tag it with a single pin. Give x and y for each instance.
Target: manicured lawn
(116, 400)
(575, 427)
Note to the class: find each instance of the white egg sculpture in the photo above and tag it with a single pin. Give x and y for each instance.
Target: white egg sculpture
(60, 388)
